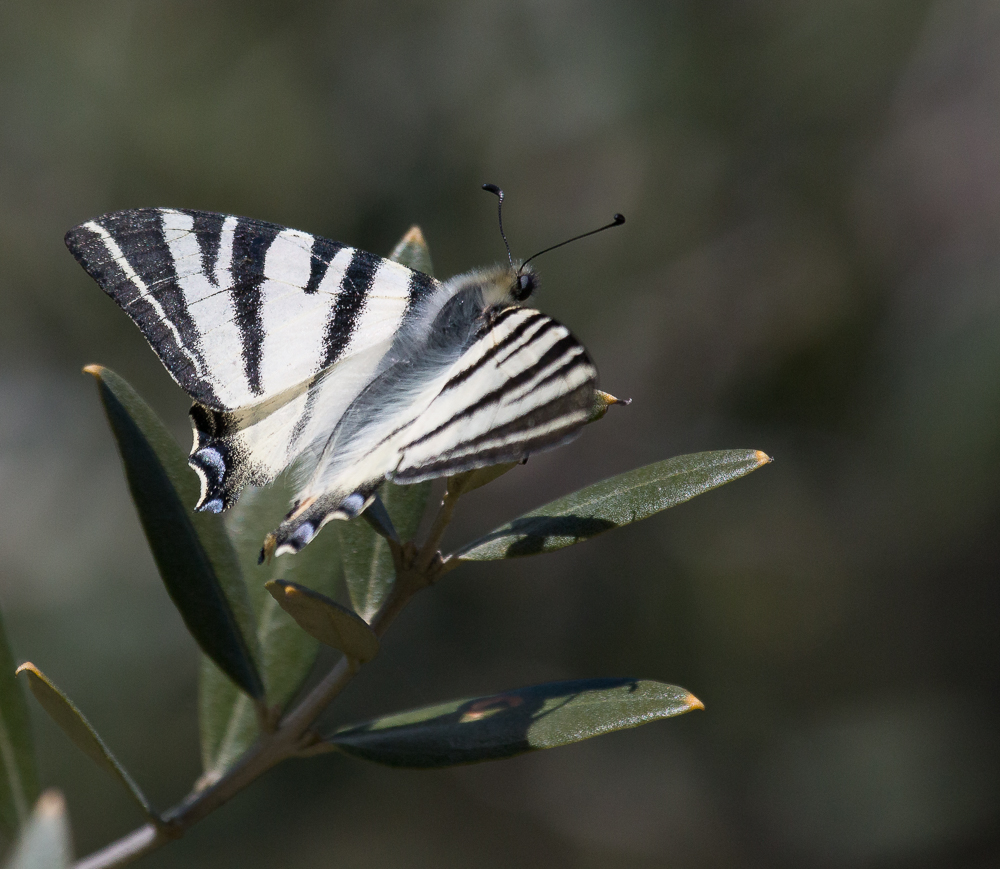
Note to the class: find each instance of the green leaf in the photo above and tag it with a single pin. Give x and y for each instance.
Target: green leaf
(326, 620)
(18, 772)
(45, 841)
(191, 550)
(503, 725)
(80, 732)
(228, 721)
(368, 567)
(413, 252)
(612, 503)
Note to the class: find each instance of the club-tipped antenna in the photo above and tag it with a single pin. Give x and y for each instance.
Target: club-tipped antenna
(618, 220)
(496, 191)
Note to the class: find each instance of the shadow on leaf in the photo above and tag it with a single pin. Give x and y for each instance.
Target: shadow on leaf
(531, 535)
(512, 722)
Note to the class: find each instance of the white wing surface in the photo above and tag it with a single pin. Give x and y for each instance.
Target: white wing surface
(245, 315)
(507, 383)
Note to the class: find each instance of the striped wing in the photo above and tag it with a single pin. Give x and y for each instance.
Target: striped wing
(521, 384)
(245, 315)
(241, 310)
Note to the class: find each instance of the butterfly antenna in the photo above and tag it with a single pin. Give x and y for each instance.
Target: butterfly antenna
(618, 220)
(496, 191)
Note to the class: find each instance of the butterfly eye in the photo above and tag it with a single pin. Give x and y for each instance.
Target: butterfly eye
(525, 286)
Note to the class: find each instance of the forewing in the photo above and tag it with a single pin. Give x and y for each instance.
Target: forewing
(246, 315)
(239, 310)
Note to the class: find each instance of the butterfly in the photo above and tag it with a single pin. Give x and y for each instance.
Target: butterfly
(302, 352)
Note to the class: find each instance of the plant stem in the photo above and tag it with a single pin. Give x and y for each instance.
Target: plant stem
(429, 550)
(415, 570)
(267, 752)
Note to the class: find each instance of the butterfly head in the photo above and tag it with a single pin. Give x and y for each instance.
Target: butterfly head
(525, 283)
(499, 285)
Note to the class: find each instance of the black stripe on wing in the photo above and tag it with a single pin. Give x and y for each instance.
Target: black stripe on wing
(508, 341)
(126, 254)
(354, 289)
(500, 414)
(207, 229)
(219, 459)
(512, 384)
(421, 286)
(323, 251)
(250, 246)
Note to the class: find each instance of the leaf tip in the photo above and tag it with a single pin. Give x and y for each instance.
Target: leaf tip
(279, 588)
(94, 370)
(51, 804)
(414, 235)
(762, 458)
(693, 702)
(28, 667)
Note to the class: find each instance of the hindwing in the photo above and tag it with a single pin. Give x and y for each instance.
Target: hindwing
(517, 384)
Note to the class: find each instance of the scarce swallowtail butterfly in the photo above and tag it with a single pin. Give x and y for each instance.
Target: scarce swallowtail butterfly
(297, 350)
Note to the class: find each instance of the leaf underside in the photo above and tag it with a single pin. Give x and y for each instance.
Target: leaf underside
(192, 551)
(326, 620)
(80, 732)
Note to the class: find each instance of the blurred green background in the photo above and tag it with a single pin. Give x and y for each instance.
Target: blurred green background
(811, 267)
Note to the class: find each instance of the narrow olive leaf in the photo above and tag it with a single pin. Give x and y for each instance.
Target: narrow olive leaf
(191, 550)
(368, 567)
(503, 725)
(413, 252)
(612, 503)
(18, 771)
(228, 721)
(602, 401)
(467, 481)
(78, 729)
(45, 841)
(326, 620)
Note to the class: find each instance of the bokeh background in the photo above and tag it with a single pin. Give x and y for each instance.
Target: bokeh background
(811, 267)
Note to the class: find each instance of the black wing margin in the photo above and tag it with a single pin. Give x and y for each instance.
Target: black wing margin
(134, 257)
